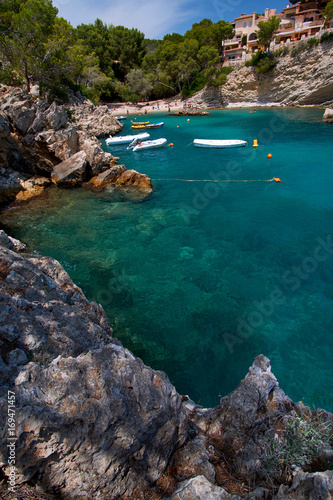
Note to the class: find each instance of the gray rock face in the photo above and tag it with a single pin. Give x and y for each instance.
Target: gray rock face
(95, 121)
(11, 243)
(97, 159)
(62, 143)
(10, 184)
(295, 81)
(36, 135)
(91, 419)
(198, 488)
(316, 486)
(71, 172)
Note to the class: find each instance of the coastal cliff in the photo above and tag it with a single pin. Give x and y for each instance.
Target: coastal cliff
(92, 421)
(299, 80)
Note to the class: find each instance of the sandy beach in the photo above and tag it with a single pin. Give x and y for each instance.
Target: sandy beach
(143, 108)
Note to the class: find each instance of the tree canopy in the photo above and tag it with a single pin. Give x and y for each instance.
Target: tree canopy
(267, 30)
(106, 60)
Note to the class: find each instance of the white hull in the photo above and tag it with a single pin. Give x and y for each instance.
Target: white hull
(217, 143)
(157, 143)
(155, 125)
(126, 139)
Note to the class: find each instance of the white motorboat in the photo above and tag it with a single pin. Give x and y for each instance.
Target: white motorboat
(126, 139)
(137, 145)
(218, 143)
(121, 118)
(155, 125)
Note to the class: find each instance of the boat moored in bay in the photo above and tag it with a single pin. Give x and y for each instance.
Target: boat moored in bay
(219, 143)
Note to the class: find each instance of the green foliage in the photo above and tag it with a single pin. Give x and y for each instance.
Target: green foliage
(174, 38)
(267, 29)
(329, 11)
(297, 445)
(283, 51)
(8, 76)
(98, 58)
(226, 70)
(263, 62)
(209, 34)
(96, 38)
(138, 83)
(301, 47)
(30, 23)
(128, 46)
(219, 80)
(312, 42)
(326, 37)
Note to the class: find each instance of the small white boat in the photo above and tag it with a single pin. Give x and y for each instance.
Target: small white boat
(218, 143)
(126, 139)
(121, 118)
(139, 146)
(155, 125)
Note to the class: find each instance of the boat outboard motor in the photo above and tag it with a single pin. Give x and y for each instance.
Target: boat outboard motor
(133, 143)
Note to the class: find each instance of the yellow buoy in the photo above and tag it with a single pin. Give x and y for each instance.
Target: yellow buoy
(255, 143)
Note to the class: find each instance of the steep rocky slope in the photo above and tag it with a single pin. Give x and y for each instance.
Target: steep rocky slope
(305, 79)
(92, 421)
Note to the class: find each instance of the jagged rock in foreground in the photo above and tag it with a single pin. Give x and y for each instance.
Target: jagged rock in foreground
(92, 421)
(11, 243)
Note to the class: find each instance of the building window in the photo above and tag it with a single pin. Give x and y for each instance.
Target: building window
(250, 24)
(298, 25)
(244, 25)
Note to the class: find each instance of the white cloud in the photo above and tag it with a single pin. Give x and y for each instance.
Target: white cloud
(154, 18)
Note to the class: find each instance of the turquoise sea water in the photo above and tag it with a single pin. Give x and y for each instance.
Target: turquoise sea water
(200, 277)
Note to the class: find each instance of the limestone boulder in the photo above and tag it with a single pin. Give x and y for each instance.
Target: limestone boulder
(32, 187)
(62, 143)
(107, 177)
(134, 178)
(98, 160)
(305, 485)
(328, 115)
(10, 184)
(56, 117)
(199, 488)
(11, 243)
(71, 172)
(23, 119)
(96, 121)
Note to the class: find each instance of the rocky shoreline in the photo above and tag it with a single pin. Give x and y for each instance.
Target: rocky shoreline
(43, 144)
(91, 420)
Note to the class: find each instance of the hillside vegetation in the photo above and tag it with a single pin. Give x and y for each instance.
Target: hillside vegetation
(104, 61)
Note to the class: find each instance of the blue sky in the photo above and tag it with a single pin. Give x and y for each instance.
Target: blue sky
(155, 18)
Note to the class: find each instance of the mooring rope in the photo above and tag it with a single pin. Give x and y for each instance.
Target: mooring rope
(219, 180)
